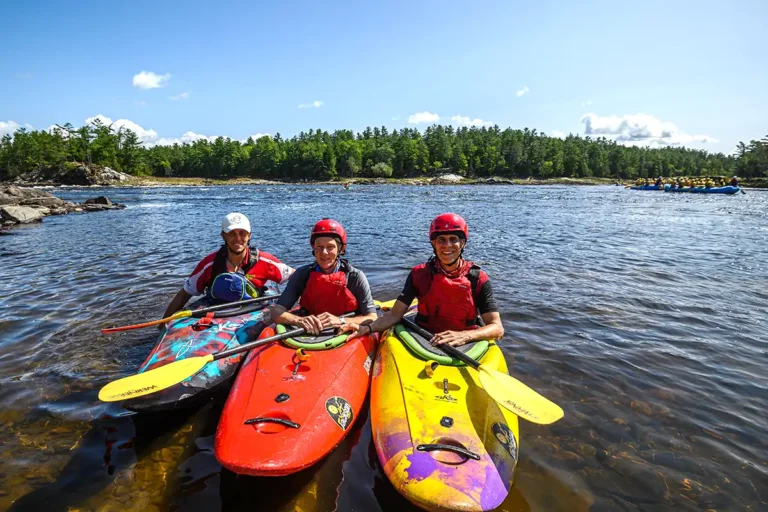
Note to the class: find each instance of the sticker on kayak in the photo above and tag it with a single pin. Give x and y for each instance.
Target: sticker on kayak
(506, 438)
(340, 411)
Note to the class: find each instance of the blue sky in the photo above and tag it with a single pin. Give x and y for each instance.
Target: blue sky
(667, 72)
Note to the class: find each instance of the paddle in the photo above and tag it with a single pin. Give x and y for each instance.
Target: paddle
(197, 313)
(173, 373)
(509, 392)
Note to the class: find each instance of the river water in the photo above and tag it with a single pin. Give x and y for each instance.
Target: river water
(643, 314)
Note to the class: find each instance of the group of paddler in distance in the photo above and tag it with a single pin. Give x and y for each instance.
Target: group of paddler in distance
(685, 182)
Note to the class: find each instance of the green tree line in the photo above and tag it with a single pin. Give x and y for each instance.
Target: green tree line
(374, 152)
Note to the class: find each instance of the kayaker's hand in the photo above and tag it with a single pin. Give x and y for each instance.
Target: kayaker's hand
(329, 320)
(356, 329)
(453, 338)
(311, 324)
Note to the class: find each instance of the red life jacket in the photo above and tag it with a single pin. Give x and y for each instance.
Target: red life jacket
(328, 293)
(445, 303)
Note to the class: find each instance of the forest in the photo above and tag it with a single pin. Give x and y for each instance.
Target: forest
(375, 152)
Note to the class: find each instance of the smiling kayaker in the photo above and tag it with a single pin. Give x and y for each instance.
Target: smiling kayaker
(234, 272)
(328, 288)
(450, 289)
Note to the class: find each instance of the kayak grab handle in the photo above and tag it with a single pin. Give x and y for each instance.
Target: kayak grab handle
(281, 421)
(448, 448)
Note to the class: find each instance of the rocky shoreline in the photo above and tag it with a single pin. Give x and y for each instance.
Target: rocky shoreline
(24, 206)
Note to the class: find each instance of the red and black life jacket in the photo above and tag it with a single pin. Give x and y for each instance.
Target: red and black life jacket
(447, 303)
(328, 293)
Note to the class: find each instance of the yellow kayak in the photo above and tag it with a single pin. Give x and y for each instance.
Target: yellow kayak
(442, 441)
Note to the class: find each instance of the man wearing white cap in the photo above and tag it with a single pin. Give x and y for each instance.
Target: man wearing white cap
(234, 258)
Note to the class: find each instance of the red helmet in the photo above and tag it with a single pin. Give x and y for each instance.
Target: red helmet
(448, 223)
(328, 227)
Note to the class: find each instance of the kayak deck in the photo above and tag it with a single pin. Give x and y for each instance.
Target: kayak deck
(442, 441)
(284, 415)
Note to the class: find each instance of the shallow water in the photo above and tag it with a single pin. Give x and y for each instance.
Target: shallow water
(643, 314)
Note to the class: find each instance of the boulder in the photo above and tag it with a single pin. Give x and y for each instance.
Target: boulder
(73, 173)
(42, 209)
(109, 174)
(27, 196)
(99, 200)
(20, 214)
(447, 179)
(50, 202)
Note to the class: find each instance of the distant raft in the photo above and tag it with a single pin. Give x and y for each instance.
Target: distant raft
(645, 187)
(704, 190)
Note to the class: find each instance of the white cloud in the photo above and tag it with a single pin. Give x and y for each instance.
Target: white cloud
(396, 118)
(180, 96)
(8, 128)
(314, 104)
(423, 118)
(186, 138)
(145, 136)
(150, 80)
(558, 134)
(586, 103)
(640, 130)
(466, 121)
(23, 75)
(525, 90)
(256, 136)
(140, 103)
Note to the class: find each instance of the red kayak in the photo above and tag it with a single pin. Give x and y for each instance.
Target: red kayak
(293, 402)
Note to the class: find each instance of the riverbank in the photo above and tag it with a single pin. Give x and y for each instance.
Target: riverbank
(448, 179)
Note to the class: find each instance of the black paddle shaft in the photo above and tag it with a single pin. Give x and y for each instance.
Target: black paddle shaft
(451, 351)
(258, 343)
(201, 312)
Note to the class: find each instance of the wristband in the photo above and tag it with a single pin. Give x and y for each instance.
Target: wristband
(343, 321)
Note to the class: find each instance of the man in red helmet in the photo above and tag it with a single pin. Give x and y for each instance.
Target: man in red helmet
(327, 288)
(451, 292)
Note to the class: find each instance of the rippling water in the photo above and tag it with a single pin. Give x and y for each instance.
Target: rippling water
(642, 313)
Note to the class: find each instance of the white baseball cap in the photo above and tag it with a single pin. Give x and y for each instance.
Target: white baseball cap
(235, 221)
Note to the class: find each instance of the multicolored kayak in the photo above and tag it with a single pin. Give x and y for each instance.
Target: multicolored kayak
(189, 337)
(293, 402)
(442, 441)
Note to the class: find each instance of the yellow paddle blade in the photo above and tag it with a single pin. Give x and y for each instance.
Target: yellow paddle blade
(515, 396)
(386, 306)
(153, 380)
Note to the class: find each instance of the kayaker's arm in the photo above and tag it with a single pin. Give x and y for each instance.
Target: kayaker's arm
(492, 330)
(280, 315)
(178, 302)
